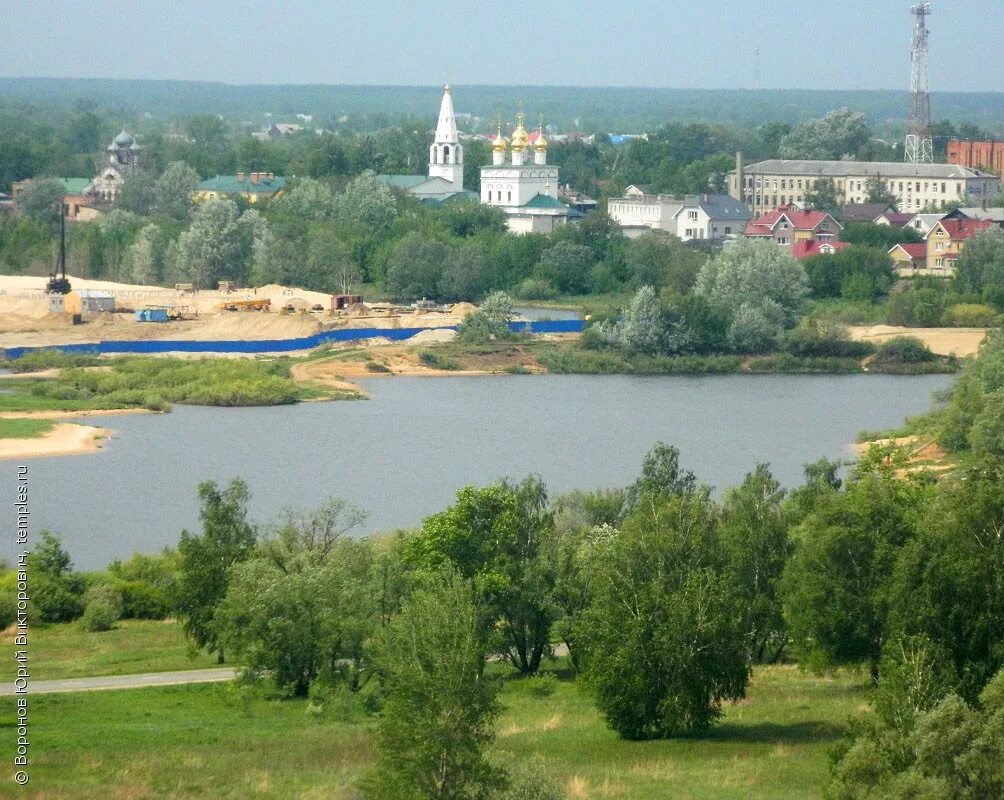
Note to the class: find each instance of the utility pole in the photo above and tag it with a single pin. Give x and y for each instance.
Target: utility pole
(919, 147)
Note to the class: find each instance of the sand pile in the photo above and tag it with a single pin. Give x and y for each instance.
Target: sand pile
(461, 310)
(433, 336)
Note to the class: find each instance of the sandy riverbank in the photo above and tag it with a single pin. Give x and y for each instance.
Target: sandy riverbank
(103, 412)
(64, 439)
(959, 342)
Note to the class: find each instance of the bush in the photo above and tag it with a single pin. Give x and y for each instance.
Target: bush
(433, 359)
(970, 315)
(102, 609)
(811, 341)
(536, 289)
(903, 350)
(987, 435)
(38, 360)
(375, 366)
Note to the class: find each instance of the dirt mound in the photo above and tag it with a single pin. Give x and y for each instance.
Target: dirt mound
(461, 310)
(433, 336)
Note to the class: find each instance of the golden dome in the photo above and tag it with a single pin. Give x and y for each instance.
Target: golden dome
(541, 142)
(499, 143)
(520, 140)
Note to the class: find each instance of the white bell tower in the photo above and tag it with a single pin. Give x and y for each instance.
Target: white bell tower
(446, 156)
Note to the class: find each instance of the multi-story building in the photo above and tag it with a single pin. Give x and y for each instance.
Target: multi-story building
(696, 218)
(788, 225)
(638, 212)
(988, 156)
(766, 185)
(947, 239)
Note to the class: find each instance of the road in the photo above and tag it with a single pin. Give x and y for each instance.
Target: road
(126, 681)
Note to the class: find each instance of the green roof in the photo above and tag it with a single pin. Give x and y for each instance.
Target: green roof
(546, 201)
(228, 184)
(74, 185)
(448, 198)
(402, 181)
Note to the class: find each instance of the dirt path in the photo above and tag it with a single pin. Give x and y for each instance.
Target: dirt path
(63, 440)
(943, 341)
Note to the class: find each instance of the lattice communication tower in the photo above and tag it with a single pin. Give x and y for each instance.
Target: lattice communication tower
(919, 147)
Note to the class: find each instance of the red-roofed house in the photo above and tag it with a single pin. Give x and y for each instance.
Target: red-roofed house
(909, 258)
(803, 248)
(787, 225)
(947, 239)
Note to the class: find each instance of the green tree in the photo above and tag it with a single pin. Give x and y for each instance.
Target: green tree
(308, 200)
(980, 267)
(219, 244)
(144, 258)
(840, 133)
(664, 632)
(56, 590)
(490, 321)
(876, 191)
(465, 273)
(138, 193)
(367, 202)
(415, 267)
(439, 707)
(823, 196)
(304, 606)
(566, 267)
(42, 200)
(207, 560)
(495, 536)
(754, 534)
(884, 237)
(838, 582)
(173, 190)
(641, 329)
(855, 272)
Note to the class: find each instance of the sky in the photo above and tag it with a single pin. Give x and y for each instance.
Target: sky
(814, 44)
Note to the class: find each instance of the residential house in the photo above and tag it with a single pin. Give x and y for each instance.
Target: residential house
(787, 225)
(864, 212)
(947, 239)
(804, 248)
(252, 186)
(894, 218)
(995, 215)
(909, 258)
(923, 223)
(710, 218)
(638, 212)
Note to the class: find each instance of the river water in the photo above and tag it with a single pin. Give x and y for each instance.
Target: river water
(404, 453)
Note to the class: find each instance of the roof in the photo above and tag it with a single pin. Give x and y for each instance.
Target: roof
(912, 249)
(74, 185)
(896, 218)
(95, 294)
(402, 181)
(977, 212)
(804, 248)
(964, 228)
(842, 169)
(448, 198)
(723, 206)
(798, 219)
(863, 212)
(229, 184)
(925, 220)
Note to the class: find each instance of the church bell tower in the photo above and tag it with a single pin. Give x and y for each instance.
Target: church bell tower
(446, 155)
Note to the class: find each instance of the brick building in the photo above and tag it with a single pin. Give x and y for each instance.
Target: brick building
(987, 156)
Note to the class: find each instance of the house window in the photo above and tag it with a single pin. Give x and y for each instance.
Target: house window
(728, 230)
(692, 215)
(939, 247)
(939, 262)
(943, 189)
(509, 196)
(800, 184)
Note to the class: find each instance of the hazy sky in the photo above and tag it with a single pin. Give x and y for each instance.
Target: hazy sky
(843, 44)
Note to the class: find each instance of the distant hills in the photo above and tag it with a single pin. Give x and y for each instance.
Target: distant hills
(590, 109)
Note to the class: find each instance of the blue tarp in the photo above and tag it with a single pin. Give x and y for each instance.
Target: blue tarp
(278, 345)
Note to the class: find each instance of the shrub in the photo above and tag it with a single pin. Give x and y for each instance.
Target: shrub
(536, 289)
(46, 358)
(987, 434)
(102, 608)
(903, 350)
(375, 366)
(970, 315)
(437, 361)
(811, 340)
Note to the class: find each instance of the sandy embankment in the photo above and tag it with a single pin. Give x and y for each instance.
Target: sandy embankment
(943, 341)
(64, 439)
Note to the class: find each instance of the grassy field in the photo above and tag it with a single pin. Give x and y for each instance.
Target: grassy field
(217, 741)
(24, 428)
(132, 646)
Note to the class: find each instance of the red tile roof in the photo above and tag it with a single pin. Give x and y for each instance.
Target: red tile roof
(799, 221)
(804, 248)
(912, 249)
(964, 228)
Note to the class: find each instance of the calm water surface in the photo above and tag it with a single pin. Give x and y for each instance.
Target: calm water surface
(404, 453)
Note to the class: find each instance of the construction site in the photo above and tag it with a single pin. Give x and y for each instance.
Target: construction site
(106, 311)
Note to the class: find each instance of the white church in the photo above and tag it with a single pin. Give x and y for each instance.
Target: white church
(523, 185)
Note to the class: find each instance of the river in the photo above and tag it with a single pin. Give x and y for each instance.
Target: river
(403, 454)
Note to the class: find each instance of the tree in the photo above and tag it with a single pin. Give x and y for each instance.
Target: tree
(495, 536)
(308, 200)
(877, 191)
(661, 477)
(102, 608)
(42, 200)
(145, 256)
(207, 560)
(366, 202)
(173, 190)
(490, 321)
(755, 537)
(980, 266)
(566, 267)
(439, 707)
(871, 234)
(415, 266)
(303, 607)
(465, 274)
(823, 196)
(837, 583)
(664, 633)
(56, 590)
(840, 133)
(641, 329)
(138, 193)
(656, 260)
(855, 273)
(218, 244)
(753, 272)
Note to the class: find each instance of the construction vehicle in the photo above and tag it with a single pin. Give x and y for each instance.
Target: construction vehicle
(245, 305)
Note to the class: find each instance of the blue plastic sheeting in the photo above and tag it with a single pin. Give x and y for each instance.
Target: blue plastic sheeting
(279, 345)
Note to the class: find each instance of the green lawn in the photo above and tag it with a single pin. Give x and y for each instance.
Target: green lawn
(214, 741)
(133, 646)
(24, 428)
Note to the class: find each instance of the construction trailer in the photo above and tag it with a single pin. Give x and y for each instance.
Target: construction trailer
(86, 301)
(340, 302)
(245, 305)
(152, 315)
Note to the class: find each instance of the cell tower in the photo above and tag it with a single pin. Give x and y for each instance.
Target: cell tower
(919, 148)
